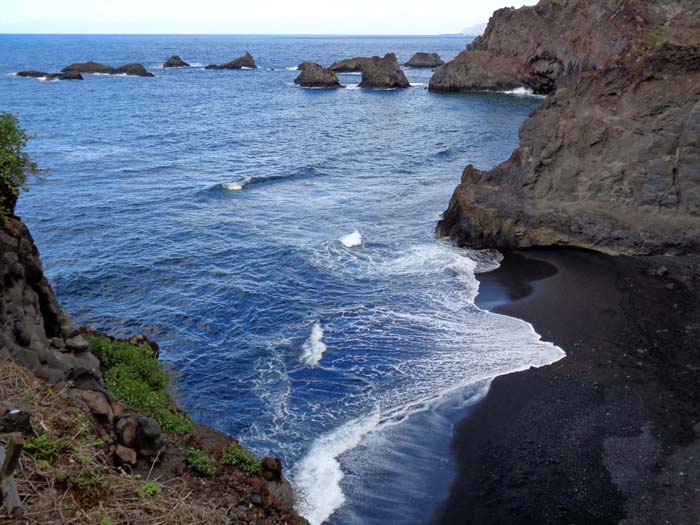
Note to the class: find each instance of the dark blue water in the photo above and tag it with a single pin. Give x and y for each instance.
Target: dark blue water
(207, 208)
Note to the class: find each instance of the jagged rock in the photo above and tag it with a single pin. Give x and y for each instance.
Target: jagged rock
(611, 162)
(246, 61)
(315, 76)
(538, 45)
(349, 65)
(425, 60)
(77, 344)
(149, 439)
(175, 61)
(98, 404)
(133, 70)
(271, 469)
(68, 75)
(383, 73)
(126, 428)
(125, 455)
(58, 342)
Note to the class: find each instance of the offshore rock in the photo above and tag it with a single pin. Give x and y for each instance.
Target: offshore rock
(425, 60)
(349, 65)
(132, 70)
(315, 76)
(611, 162)
(136, 70)
(246, 61)
(383, 73)
(175, 61)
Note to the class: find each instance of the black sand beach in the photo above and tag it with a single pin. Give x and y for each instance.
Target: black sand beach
(610, 432)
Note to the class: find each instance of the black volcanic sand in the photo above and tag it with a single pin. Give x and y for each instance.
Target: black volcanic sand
(610, 432)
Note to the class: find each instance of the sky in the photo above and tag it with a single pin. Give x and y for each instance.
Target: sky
(407, 17)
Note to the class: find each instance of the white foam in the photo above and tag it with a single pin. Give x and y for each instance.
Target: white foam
(351, 239)
(295, 68)
(313, 348)
(236, 185)
(246, 67)
(317, 476)
(352, 86)
(522, 92)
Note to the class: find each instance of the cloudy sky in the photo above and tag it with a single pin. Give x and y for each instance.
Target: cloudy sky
(251, 17)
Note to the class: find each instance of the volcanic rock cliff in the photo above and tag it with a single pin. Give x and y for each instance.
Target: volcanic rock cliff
(611, 161)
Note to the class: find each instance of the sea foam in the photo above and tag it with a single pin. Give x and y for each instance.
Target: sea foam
(351, 239)
(313, 348)
(318, 475)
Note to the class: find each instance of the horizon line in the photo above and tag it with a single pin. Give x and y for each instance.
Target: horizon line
(235, 34)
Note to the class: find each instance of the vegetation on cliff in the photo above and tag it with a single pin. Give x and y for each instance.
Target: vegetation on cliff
(15, 163)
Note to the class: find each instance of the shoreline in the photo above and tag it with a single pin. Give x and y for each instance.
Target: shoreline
(608, 431)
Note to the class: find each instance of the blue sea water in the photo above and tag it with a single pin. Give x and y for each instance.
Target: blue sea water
(279, 244)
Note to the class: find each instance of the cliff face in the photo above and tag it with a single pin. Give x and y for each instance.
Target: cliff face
(535, 46)
(611, 161)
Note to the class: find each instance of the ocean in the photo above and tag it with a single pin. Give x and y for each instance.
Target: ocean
(279, 245)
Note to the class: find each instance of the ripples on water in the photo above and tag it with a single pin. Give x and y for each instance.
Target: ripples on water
(278, 243)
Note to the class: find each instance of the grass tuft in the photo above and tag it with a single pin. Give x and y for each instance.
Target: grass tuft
(201, 462)
(243, 459)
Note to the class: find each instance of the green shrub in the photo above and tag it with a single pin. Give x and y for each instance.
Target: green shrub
(201, 462)
(654, 39)
(242, 458)
(46, 446)
(149, 490)
(138, 379)
(15, 163)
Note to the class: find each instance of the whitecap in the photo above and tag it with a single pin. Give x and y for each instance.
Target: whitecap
(351, 239)
(522, 92)
(317, 476)
(313, 348)
(295, 68)
(236, 185)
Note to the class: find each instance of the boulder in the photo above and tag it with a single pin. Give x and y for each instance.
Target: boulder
(149, 439)
(425, 60)
(132, 70)
(98, 404)
(77, 344)
(126, 428)
(15, 420)
(175, 61)
(383, 73)
(315, 76)
(246, 61)
(271, 469)
(124, 455)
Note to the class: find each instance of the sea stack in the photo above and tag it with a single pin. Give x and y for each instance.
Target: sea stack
(425, 60)
(132, 70)
(349, 65)
(175, 61)
(383, 73)
(246, 61)
(315, 76)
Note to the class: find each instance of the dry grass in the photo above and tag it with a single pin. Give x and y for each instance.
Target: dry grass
(72, 481)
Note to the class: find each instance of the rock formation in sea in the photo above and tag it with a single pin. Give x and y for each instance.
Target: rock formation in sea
(425, 60)
(315, 76)
(89, 405)
(175, 61)
(69, 75)
(133, 69)
(245, 61)
(383, 73)
(349, 65)
(611, 161)
(535, 46)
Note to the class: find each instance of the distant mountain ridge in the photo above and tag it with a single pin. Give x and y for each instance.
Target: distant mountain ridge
(475, 30)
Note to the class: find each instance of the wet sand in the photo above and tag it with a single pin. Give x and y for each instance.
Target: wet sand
(610, 432)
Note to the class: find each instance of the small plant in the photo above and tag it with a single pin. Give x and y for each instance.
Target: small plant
(242, 458)
(46, 446)
(654, 39)
(138, 379)
(85, 480)
(105, 521)
(15, 163)
(149, 490)
(201, 462)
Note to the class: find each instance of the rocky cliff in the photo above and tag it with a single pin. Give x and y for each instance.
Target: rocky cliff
(611, 161)
(94, 410)
(535, 46)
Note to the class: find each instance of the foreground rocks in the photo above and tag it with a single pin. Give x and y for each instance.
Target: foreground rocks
(175, 61)
(611, 162)
(536, 46)
(134, 69)
(425, 60)
(246, 61)
(315, 76)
